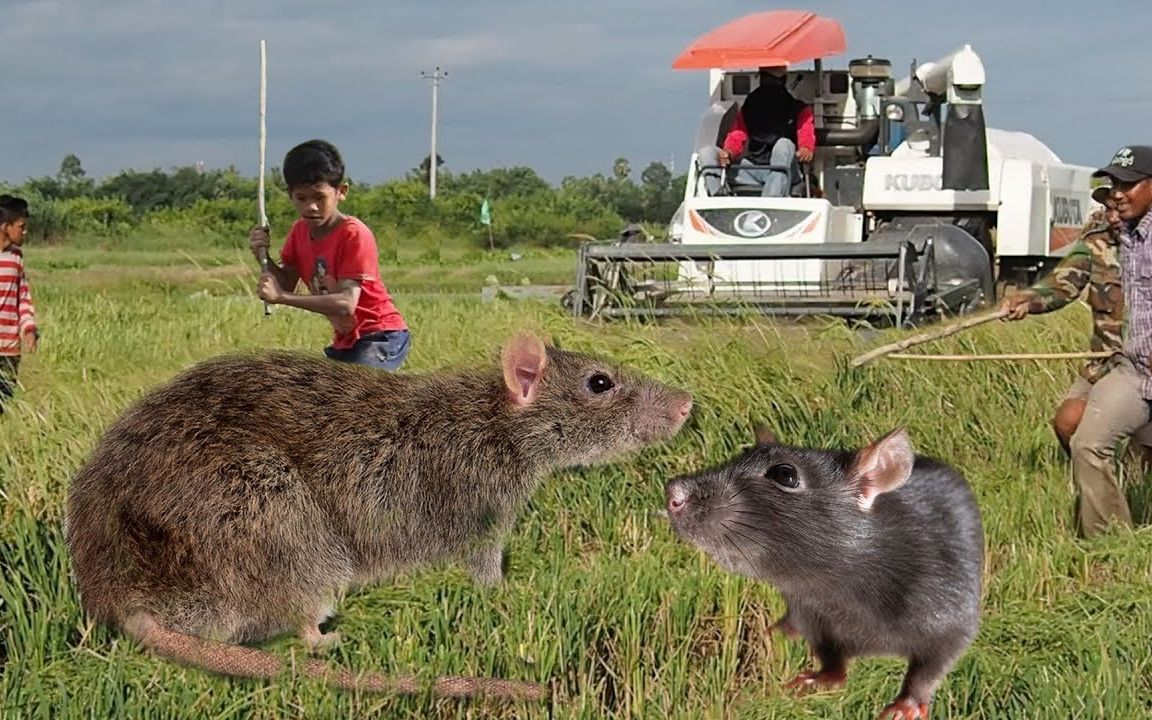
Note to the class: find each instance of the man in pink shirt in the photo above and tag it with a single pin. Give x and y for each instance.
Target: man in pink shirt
(771, 128)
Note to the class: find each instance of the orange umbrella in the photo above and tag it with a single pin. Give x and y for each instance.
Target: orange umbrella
(777, 37)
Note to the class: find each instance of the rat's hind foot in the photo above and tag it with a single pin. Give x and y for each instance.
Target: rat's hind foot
(822, 679)
(319, 641)
(905, 709)
(783, 625)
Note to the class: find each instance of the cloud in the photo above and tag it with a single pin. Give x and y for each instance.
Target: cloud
(564, 88)
(469, 50)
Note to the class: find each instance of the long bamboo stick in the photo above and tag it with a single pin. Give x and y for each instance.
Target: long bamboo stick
(260, 211)
(945, 331)
(1002, 356)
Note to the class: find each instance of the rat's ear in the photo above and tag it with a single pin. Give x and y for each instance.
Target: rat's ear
(882, 466)
(523, 359)
(763, 435)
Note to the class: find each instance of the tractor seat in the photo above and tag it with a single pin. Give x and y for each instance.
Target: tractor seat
(742, 189)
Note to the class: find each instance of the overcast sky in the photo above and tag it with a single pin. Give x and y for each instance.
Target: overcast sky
(564, 87)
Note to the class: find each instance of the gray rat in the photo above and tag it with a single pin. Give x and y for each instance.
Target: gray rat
(876, 551)
(238, 501)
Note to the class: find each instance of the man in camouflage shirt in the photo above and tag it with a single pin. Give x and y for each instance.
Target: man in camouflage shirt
(1091, 262)
(1118, 398)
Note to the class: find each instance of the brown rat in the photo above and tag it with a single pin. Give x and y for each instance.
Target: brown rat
(237, 502)
(877, 551)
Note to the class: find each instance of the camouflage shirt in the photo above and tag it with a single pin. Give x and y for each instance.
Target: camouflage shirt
(1092, 262)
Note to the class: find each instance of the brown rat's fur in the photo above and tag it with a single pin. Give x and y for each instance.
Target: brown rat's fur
(240, 500)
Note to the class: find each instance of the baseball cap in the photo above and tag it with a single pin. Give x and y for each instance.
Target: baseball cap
(1131, 163)
(1101, 193)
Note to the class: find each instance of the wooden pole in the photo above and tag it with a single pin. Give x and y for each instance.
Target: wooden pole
(263, 215)
(1003, 356)
(926, 337)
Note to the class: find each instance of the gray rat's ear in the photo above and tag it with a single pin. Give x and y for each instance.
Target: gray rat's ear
(523, 359)
(882, 466)
(763, 435)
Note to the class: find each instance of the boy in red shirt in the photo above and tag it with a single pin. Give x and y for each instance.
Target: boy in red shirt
(335, 255)
(18, 331)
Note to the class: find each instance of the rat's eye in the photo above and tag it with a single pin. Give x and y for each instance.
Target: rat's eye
(600, 383)
(783, 475)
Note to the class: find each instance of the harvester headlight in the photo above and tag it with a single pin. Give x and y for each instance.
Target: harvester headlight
(895, 113)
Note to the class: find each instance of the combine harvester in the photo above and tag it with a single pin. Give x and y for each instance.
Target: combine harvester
(909, 209)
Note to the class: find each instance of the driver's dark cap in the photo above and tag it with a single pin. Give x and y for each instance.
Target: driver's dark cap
(1131, 163)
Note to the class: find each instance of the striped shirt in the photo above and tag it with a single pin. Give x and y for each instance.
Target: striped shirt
(17, 315)
(1136, 269)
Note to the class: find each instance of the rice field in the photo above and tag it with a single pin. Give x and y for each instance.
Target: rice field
(600, 598)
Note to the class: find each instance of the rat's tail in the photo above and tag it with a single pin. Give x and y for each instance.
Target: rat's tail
(242, 661)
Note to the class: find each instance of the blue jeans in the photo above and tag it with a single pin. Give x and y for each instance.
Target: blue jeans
(386, 350)
(774, 183)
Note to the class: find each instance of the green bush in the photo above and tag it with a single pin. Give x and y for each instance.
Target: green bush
(154, 208)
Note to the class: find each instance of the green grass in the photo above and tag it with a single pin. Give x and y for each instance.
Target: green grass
(599, 595)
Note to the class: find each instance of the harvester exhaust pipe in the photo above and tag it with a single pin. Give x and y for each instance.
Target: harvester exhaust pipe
(965, 147)
(871, 79)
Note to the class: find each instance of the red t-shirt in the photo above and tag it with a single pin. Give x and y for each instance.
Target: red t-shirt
(347, 252)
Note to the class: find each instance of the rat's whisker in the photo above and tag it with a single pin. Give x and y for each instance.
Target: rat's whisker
(747, 560)
(754, 513)
(751, 540)
(737, 494)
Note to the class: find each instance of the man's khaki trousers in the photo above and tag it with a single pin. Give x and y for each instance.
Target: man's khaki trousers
(1115, 410)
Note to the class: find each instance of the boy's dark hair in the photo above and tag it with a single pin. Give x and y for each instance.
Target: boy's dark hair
(311, 162)
(12, 208)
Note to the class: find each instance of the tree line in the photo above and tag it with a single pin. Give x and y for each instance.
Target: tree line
(219, 205)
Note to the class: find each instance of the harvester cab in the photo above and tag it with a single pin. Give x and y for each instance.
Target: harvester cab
(909, 207)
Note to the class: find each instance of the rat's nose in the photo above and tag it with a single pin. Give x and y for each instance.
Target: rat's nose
(685, 406)
(677, 498)
(679, 408)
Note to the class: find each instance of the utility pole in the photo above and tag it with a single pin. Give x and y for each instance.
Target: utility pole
(435, 76)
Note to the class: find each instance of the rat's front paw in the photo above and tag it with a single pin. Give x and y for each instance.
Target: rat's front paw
(318, 642)
(824, 679)
(487, 566)
(905, 709)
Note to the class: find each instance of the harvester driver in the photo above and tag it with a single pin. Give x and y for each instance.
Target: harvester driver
(772, 128)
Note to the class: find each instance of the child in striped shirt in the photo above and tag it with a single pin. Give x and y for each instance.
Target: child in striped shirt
(18, 331)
